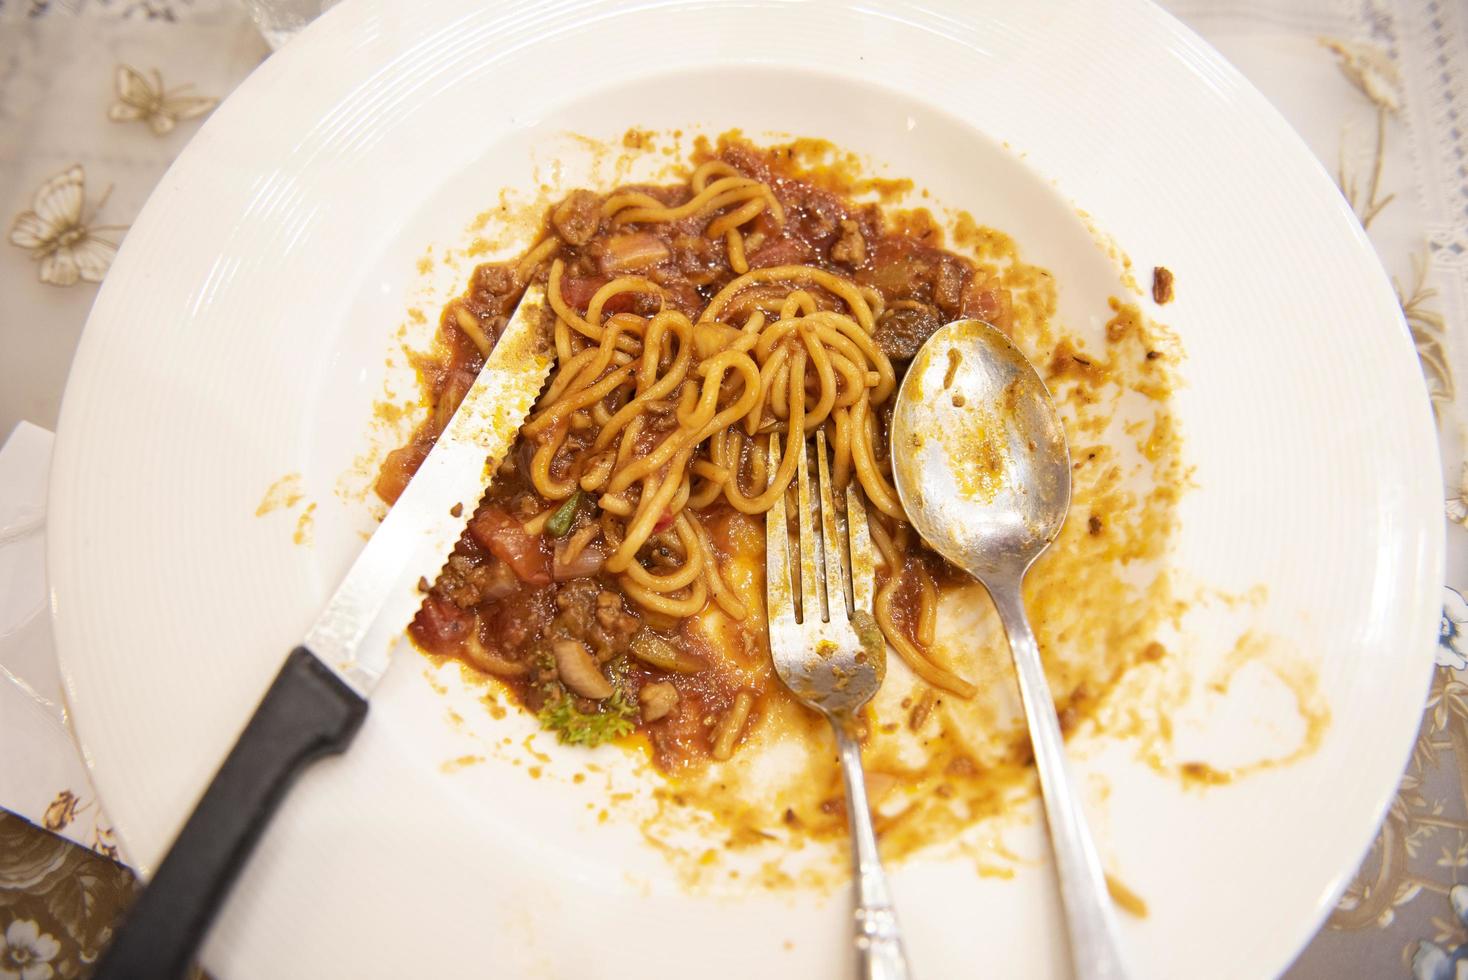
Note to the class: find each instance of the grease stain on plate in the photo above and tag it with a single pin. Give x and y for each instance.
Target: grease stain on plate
(284, 493)
(947, 778)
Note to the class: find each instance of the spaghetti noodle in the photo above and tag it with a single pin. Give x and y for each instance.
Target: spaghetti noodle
(692, 326)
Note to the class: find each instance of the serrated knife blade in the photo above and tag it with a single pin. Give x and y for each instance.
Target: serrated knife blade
(319, 699)
(420, 530)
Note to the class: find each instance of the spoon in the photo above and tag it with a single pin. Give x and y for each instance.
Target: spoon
(982, 469)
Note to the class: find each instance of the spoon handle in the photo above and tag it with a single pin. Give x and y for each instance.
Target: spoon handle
(879, 953)
(1095, 947)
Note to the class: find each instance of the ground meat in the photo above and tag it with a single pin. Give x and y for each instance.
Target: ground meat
(576, 218)
(603, 624)
(576, 602)
(818, 217)
(466, 583)
(948, 276)
(850, 248)
(493, 283)
(696, 258)
(611, 615)
(514, 624)
(902, 331)
(1161, 284)
(679, 294)
(780, 251)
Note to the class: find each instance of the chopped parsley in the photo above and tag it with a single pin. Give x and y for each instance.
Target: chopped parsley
(613, 718)
(617, 717)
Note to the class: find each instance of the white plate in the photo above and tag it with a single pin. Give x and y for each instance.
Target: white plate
(241, 336)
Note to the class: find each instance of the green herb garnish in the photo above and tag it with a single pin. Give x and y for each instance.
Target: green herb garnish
(572, 726)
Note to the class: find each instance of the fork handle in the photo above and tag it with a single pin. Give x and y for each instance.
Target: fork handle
(878, 940)
(1095, 945)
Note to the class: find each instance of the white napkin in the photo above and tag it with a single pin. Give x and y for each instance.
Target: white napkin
(43, 778)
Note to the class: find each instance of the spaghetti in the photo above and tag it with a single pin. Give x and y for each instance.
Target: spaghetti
(693, 325)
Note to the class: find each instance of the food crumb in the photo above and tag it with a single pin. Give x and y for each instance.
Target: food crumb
(1126, 899)
(283, 493)
(462, 762)
(1161, 284)
(638, 139)
(303, 525)
(1202, 774)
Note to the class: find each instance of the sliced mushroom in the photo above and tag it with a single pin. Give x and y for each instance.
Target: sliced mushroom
(579, 671)
(657, 700)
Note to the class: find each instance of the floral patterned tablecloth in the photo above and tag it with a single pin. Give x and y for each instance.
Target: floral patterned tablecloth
(98, 96)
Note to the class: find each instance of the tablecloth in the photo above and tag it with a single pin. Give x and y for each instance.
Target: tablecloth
(98, 96)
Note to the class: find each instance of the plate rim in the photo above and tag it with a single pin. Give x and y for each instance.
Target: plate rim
(66, 463)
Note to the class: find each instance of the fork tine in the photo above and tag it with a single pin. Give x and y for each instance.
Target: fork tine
(812, 596)
(779, 600)
(833, 549)
(863, 561)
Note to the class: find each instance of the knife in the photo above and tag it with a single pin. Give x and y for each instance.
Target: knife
(318, 700)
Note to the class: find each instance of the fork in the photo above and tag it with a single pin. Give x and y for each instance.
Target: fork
(828, 651)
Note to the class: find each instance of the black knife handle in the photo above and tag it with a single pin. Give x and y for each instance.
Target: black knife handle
(307, 713)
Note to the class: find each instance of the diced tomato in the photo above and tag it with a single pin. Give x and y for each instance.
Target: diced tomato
(578, 290)
(664, 522)
(505, 538)
(440, 624)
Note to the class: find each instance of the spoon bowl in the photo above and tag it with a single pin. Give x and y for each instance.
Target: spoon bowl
(979, 452)
(980, 462)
